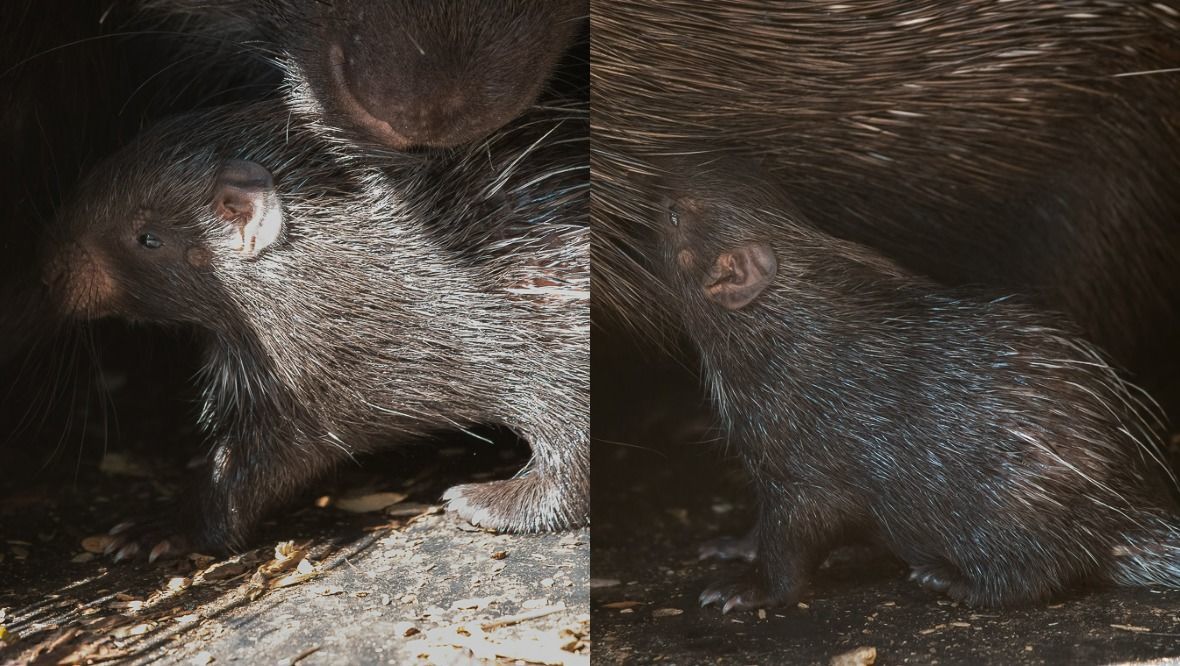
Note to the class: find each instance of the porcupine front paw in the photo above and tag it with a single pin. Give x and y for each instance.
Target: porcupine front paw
(742, 593)
(154, 538)
(523, 504)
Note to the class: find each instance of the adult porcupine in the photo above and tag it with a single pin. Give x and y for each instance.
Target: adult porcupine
(985, 444)
(1029, 146)
(403, 73)
(332, 323)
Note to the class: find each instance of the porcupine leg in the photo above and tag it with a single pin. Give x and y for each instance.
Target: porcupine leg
(252, 474)
(551, 493)
(795, 529)
(1000, 565)
(248, 474)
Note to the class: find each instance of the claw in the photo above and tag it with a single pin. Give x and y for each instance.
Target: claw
(709, 597)
(161, 549)
(134, 539)
(127, 552)
(121, 527)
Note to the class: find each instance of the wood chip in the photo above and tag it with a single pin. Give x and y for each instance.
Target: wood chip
(120, 464)
(97, 544)
(406, 629)
(861, 656)
(523, 617)
(474, 603)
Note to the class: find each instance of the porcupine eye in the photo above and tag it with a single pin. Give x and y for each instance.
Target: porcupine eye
(673, 215)
(150, 241)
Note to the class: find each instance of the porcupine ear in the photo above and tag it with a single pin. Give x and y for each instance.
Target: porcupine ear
(738, 275)
(244, 198)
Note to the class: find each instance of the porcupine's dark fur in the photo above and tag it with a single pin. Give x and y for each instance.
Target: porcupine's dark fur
(78, 79)
(988, 446)
(1029, 146)
(357, 329)
(397, 74)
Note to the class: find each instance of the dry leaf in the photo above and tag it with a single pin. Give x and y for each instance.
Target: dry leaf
(406, 629)
(370, 502)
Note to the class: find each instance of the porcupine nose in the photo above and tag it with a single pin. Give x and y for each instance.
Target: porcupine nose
(80, 282)
(406, 107)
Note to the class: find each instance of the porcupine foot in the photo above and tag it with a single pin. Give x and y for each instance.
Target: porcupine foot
(156, 538)
(746, 592)
(934, 578)
(945, 579)
(527, 503)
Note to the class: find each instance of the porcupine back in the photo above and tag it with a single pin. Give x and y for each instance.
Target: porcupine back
(1027, 146)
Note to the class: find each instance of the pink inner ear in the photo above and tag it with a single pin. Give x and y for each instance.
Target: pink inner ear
(234, 207)
(738, 276)
(231, 210)
(246, 200)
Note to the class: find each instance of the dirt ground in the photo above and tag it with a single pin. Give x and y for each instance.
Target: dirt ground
(404, 585)
(364, 568)
(661, 488)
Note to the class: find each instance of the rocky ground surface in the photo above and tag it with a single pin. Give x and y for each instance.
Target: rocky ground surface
(364, 568)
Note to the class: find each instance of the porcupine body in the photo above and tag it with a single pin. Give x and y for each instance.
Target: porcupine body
(333, 323)
(981, 440)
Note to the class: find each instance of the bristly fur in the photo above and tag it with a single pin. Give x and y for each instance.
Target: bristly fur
(360, 329)
(983, 441)
(400, 73)
(1024, 145)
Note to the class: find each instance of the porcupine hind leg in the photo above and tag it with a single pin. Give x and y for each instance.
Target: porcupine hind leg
(551, 492)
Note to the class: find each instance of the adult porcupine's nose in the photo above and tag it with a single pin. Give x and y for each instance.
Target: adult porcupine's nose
(405, 108)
